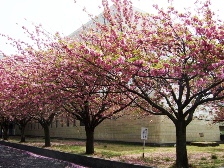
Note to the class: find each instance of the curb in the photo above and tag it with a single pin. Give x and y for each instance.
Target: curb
(74, 158)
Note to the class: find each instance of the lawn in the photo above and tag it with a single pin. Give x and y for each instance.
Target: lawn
(162, 157)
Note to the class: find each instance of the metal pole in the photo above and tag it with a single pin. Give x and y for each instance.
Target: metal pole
(143, 155)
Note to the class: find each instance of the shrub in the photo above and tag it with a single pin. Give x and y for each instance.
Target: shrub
(203, 158)
(167, 159)
(214, 157)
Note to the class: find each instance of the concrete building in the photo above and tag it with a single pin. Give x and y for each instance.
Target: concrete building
(161, 130)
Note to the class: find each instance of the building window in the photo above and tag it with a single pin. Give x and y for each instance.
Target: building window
(74, 122)
(62, 123)
(56, 123)
(81, 123)
(34, 125)
(67, 122)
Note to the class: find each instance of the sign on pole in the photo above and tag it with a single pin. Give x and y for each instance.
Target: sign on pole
(144, 133)
(144, 136)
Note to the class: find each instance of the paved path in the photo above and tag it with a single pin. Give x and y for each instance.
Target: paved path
(15, 158)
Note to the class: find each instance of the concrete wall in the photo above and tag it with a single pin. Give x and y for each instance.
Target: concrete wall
(121, 129)
(160, 130)
(209, 131)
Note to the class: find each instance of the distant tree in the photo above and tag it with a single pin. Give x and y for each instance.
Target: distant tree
(27, 91)
(13, 92)
(5, 121)
(172, 61)
(22, 123)
(6, 90)
(41, 101)
(45, 114)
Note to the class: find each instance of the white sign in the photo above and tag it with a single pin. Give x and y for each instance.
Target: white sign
(144, 133)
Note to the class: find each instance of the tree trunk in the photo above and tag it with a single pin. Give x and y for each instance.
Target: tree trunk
(22, 130)
(5, 135)
(47, 135)
(89, 140)
(181, 148)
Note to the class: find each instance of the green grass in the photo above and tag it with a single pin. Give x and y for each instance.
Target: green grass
(162, 157)
(70, 149)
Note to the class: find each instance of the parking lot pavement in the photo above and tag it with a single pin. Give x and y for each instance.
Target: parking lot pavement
(15, 158)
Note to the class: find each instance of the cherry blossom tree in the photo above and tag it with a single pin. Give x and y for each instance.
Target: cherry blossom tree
(41, 101)
(87, 94)
(13, 93)
(172, 61)
(5, 98)
(5, 121)
(31, 92)
(22, 123)
(55, 76)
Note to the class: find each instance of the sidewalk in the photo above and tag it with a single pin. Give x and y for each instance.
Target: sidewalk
(68, 158)
(11, 158)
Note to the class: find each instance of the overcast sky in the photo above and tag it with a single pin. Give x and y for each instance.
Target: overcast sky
(63, 16)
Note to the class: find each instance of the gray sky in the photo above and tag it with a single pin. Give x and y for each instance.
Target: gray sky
(63, 16)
